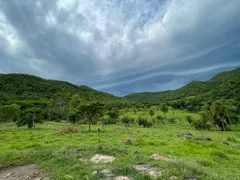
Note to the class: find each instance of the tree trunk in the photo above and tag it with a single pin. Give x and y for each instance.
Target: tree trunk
(76, 120)
(229, 118)
(89, 125)
(165, 115)
(223, 126)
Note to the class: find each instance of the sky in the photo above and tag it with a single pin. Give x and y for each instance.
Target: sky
(120, 46)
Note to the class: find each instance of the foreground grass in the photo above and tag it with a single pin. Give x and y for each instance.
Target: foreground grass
(60, 154)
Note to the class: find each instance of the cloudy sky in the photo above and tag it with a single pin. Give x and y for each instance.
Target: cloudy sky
(120, 46)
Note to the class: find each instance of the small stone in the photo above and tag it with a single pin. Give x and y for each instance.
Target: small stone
(173, 178)
(188, 136)
(154, 174)
(106, 173)
(128, 141)
(83, 160)
(206, 138)
(123, 178)
(7, 175)
(99, 158)
(151, 171)
(158, 157)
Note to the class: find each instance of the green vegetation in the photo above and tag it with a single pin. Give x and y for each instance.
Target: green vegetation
(57, 148)
(225, 85)
(196, 126)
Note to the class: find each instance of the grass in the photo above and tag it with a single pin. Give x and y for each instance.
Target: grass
(60, 153)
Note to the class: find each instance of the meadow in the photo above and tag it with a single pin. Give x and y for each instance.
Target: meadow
(66, 155)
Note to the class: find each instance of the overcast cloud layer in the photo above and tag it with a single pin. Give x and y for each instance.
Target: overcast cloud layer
(120, 46)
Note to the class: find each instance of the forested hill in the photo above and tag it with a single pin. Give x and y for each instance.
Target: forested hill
(225, 85)
(18, 87)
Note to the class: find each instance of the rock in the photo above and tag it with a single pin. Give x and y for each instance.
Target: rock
(206, 138)
(83, 160)
(123, 178)
(188, 136)
(173, 178)
(151, 171)
(99, 158)
(7, 175)
(158, 157)
(104, 174)
(128, 141)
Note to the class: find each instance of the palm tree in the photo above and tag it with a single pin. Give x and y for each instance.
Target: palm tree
(220, 111)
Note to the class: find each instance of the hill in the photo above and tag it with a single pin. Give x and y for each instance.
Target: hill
(225, 85)
(19, 87)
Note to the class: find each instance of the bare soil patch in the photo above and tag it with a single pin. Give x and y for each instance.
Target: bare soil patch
(26, 172)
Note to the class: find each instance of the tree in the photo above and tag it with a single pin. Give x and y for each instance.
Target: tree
(113, 115)
(74, 110)
(62, 106)
(220, 111)
(91, 112)
(204, 121)
(75, 101)
(73, 116)
(30, 117)
(164, 109)
(10, 113)
(151, 113)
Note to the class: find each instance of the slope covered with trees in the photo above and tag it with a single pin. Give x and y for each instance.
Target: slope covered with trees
(17, 87)
(225, 85)
(28, 100)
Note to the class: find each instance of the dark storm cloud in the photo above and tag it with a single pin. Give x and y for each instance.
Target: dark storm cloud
(120, 46)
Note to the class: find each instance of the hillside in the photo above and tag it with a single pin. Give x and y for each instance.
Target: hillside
(224, 85)
(27, 87)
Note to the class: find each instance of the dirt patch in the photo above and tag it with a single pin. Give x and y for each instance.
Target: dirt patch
(26, 172)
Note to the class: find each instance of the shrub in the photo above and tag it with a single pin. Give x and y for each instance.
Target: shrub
(144, 122)
(231, 139)
(172, 120)
(159, 117)
(110, 121)
(127, 120)
(200, 124)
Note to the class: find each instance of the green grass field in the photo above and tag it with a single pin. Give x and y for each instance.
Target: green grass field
(60, 154)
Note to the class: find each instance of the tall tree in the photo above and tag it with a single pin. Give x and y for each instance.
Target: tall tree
(74, 104)
(92, 112)
(151, 113)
